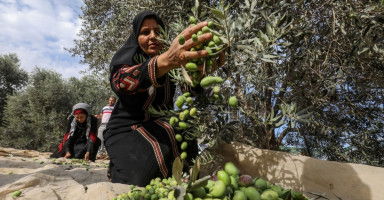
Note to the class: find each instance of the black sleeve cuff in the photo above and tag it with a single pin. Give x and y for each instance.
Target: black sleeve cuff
(90, 146)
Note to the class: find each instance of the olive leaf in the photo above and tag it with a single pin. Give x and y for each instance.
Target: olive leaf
(217, 13)
(267, 60)
(195, 171)
(177, 170)
(199, 183)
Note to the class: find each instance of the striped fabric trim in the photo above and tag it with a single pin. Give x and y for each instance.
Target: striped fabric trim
(156, 148)
(171, 135)
(152, 68)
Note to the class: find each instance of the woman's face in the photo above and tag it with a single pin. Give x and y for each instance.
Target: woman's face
(149, 31)
(81, 117)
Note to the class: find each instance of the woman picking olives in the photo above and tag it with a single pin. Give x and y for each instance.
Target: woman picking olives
(140, 146)
(80, 139)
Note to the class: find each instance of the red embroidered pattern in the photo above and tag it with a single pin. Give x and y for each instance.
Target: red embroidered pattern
(92, 136)
(123, 81)
(130, 83)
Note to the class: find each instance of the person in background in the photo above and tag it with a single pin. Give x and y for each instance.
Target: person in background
(140, 146)
(104, 116)
(80, 139)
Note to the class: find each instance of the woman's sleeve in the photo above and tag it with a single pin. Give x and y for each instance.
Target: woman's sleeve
(68, 142)
(92, 135)
(132, 79)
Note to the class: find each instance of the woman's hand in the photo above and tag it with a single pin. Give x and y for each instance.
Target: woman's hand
(86, 156)
(67, 155)
(178, 55)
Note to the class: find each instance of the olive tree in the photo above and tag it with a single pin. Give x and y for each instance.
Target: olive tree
(12, 78)
(308, 74)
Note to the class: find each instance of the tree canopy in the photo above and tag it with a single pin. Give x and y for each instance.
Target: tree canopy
(12, 78)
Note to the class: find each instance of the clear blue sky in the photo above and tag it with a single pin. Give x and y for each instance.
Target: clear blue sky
(39, 30)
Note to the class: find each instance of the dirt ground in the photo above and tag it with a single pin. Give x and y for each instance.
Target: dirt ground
(39, 177)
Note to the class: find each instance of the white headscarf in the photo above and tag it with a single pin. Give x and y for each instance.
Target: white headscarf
(87, 108)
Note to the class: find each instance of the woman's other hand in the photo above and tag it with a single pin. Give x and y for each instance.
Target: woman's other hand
(86, 156)
(67, 155)
(178, 55)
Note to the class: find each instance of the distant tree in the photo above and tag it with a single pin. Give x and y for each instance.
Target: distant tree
(12, 78)
(36, 116)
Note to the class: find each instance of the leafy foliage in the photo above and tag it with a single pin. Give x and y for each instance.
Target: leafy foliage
(12, 78)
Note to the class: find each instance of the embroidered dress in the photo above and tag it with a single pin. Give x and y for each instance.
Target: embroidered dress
(140, 147)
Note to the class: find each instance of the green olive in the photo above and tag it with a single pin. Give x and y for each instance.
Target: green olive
(210, 80)
(239, 195)
(181, 40)
(231, 169)
(191, 67)
(178, 137)
(189, 100)
(216, 89)
(211, 44)
(195, 38)
(182, 116)
(209, 50)
(184, 146)
(211, 24)
(223, 176)
(183, 155)
(183, 125)
(192, 20)
(218, 189)
(232, 101)
(216, 39)
(205, 29)
(187, 94)
(192, 112)
(173, 121)
(180, 101)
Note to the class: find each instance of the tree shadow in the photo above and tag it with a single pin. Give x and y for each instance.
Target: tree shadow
(333, 180)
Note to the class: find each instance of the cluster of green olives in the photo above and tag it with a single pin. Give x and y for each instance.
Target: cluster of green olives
(158, 189)
(226, 184)
(184, 103)
(198, 68)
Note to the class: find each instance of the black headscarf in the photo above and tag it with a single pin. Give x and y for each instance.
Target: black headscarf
(131, 48)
